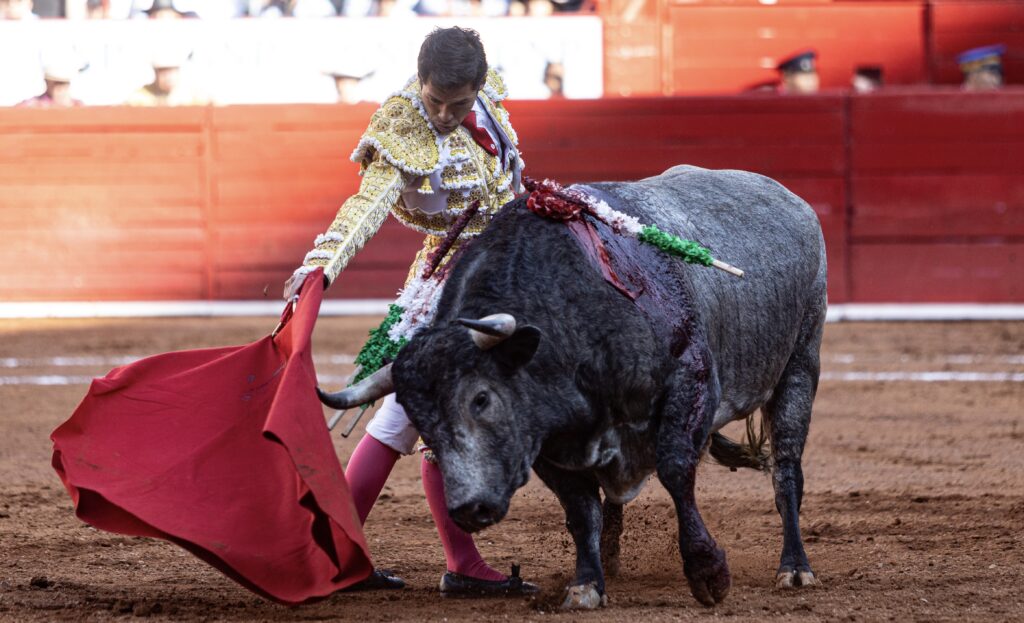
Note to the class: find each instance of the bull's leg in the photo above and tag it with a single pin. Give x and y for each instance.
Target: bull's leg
(789, 416)
(682, 434)
(611, 530)
(578, 494)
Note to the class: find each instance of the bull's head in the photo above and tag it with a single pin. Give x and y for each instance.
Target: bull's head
(465, 388)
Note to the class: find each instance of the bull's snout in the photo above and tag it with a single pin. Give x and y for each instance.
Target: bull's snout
(476, 516)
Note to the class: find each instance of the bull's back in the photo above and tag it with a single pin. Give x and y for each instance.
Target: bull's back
(754, 223)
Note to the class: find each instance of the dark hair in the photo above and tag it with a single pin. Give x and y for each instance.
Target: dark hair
(451, 58)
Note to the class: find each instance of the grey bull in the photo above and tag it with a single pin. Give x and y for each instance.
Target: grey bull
(535, 361)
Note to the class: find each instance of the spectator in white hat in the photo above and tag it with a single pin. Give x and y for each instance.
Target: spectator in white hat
(58, 75)
(167, 87)
(17, 10)
(347, 78)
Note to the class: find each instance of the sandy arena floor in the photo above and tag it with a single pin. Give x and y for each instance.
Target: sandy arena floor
(914, 507)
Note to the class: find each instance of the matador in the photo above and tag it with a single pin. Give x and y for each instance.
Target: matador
(441, 144)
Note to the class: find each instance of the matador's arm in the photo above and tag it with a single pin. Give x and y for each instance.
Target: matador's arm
(357, 221)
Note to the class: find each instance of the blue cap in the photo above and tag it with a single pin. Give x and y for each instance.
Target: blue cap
(801, 61)
(986, 56)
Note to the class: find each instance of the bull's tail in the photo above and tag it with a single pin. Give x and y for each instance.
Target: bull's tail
(752, 453)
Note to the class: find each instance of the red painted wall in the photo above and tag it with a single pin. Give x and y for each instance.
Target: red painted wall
(685, 47)
(921, 195)
(937, 197)
(727, 49)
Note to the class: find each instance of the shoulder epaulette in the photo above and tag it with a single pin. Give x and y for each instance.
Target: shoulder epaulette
(399, 132)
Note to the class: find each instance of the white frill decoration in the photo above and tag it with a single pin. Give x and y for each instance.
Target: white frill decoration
(418, 301)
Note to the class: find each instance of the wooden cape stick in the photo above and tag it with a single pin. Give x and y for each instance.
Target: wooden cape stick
(729, 268)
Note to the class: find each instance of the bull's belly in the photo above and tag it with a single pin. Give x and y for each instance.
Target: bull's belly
(623, 490)
(730, 412)
(621, 458)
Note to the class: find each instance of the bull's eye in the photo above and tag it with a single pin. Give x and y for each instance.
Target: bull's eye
(480, 402)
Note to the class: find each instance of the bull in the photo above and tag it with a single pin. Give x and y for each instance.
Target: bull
(535, 361)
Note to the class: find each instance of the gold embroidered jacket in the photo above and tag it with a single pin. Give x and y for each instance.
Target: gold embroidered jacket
(401, 153)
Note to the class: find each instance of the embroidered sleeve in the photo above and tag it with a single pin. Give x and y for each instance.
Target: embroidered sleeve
(357, 221)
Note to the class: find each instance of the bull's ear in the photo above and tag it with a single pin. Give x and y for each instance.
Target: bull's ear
(517, 350)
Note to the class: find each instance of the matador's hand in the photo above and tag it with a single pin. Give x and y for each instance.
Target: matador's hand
(291, 287)
(294, 284)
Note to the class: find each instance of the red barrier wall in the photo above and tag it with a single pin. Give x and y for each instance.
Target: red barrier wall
(958, 25)
(937, 197)
(727, 49)
(920, 195)
(684, 47)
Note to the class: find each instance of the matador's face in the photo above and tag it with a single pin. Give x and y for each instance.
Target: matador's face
(446, 108)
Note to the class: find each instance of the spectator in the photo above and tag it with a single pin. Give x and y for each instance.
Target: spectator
(167, 88)
(297, 8)
(867, 79)
(17, 10)
(48, 8)
(347, 78)
(531, 8)
(566, 6)
(554, 77)
(221, 9)
(982, 68)
(58, 75)
(167, 9)
(274, 8)
(462, 8)
(97, 9)
(799, 74)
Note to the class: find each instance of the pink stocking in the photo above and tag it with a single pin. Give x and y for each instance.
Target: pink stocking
(459, 548)
(368, 469)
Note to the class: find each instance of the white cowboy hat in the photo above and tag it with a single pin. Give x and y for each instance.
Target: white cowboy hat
(167, 58)
(61, 69)
(348, 68)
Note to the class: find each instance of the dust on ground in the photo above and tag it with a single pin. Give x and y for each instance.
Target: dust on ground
(913, 510)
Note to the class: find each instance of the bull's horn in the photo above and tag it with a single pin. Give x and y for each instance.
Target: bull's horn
(489, 331)
(371, 388)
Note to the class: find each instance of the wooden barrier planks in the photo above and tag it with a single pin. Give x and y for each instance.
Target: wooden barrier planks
(960, 25)
(920, 194)
(278, 177)
(937, 165)
(798, 141)
(938, 195)
(905, 272)
(727, 48)
(692, 47)
(102, 203)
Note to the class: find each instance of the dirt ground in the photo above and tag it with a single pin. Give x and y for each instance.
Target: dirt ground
(914, 502)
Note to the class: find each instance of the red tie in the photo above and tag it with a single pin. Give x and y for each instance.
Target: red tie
(480, 135)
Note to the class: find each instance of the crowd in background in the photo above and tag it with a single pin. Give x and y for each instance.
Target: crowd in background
(982, 70)
(226, 9)
(796, 74)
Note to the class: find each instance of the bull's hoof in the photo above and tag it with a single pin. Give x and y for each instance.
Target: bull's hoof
(793, 578)
(708, 576)
(584, 597)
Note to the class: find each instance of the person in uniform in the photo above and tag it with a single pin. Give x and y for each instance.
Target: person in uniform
(867, 79)
(431, 151)
(799, 73)
(982, 68)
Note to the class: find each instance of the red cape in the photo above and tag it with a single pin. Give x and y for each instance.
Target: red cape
(225, 452)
